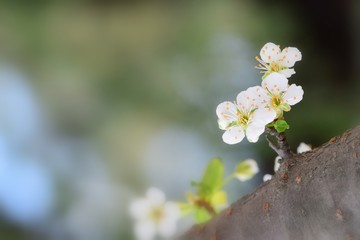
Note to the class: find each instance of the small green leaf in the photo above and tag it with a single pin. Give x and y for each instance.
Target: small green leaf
(201, 215)
(281, 126)
(212, 179)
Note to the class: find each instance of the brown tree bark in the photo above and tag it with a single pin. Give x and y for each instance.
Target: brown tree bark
(314, 195)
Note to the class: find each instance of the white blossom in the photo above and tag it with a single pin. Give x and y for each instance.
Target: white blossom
(246, 170)
(279, 94)
(277, 163)
(247, 116)
(267, 177)
(303, 147)
(275, 60)
(154, 215)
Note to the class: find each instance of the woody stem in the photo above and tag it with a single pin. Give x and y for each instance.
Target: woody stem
(280, 144)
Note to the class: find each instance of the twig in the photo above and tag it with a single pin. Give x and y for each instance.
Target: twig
(281, 147)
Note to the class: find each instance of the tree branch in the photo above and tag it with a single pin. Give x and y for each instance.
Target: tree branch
(282, 147)
(318, 199)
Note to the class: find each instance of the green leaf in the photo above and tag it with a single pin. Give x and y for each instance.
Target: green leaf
(212, 179)
(281, 126)
(201, 215)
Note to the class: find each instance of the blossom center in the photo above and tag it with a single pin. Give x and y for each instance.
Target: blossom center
(275, 67)
(276, 101)
(157, 214)
(268, 67)
(243, 120)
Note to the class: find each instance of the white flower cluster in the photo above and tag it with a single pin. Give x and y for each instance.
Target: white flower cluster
(258, 106)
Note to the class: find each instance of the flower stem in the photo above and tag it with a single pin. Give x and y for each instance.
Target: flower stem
(281, 146)
(228, 179)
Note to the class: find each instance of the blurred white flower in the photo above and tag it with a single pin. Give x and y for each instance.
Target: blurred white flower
(280, 96)
(247, 117)
(275, 60)
(246, 170)
(267, 177)
(153, 215)
(303, 147)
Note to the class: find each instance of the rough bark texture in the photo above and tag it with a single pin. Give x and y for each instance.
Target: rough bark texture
(315, 195)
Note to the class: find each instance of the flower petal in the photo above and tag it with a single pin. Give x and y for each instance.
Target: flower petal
(275, 83)
(270, 52)
(277, 163)
(233, 135)
(303, 147)
(140, 209)
(245, 170)
(294, 94)
(155, 196)
(287, 72)
(253, 97)
(226, 112)
(267, 177)
(289, 56)
(243, 101)
(171, 210)
(254, 130)
(265, 115)
(167, 228)
(145, 230)
(223, 124)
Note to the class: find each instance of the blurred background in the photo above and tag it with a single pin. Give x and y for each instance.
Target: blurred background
(100, 100)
